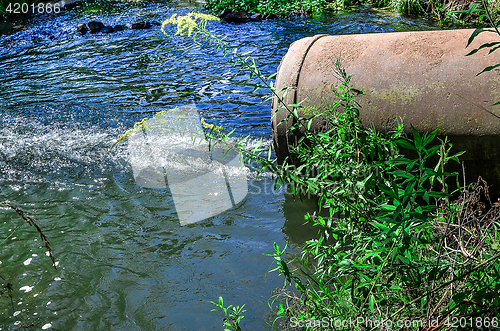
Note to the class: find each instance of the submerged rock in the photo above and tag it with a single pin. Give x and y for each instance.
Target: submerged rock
(256, 17)
(107, 29)
(95, 26)
(231, 16)
(141, 25)
(270, 16)
(82, 29)
(5, 27)
(120, 27)
(224, 13)
(298, 14)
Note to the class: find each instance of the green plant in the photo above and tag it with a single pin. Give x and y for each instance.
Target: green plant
(491, 23)
(395, 247)
(233, 315)
(445, 11)
(275, 7)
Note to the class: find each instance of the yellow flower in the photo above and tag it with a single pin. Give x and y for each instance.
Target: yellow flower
(210, 126)
(142, 125)
(192, 22)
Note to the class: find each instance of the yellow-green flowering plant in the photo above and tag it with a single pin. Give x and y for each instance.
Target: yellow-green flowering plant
(190, 24)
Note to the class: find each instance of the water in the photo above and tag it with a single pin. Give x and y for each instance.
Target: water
(124, 260)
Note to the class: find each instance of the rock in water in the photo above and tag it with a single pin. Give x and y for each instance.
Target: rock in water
(256, 17)
(270, 16)
(141, 25)
(107, 29)
(225, 12)
(236, 17)
(298, 14)
(95, 26)
(120, 27)
(82, 29)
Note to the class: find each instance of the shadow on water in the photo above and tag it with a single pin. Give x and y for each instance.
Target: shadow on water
(125, 262)
(295, 227)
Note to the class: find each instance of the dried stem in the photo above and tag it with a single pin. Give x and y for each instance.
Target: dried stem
(31, 221)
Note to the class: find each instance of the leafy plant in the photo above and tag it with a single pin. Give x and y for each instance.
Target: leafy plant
(490, 24)
(275, 7)
(233, 315)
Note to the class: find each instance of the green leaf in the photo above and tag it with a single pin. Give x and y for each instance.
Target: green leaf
(387, 190)
(489, 68)
(417, 139)
(402, 174)
(493, 49)
(380, 226)
(430, 137)
(429, 208)
(281, 309)
(426, 197)
(400, 161)
(403, 259)
(479, 30)
(356, 91)
(272, 77)
(432, 151)
(405, 143)
(487, 45)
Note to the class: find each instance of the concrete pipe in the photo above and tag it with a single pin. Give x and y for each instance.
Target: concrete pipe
(423, 77)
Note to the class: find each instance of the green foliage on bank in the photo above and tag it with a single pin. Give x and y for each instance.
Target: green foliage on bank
(397, 251)
(390, 249)
(275, 7)
(436, 9)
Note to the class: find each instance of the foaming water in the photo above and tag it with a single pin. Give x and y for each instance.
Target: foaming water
(124, 260)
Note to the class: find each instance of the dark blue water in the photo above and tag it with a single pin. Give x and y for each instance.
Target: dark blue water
(124, 261)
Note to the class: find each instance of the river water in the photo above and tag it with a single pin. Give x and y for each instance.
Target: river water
(124, 260)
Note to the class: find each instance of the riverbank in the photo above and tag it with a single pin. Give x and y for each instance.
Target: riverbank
(21, 10)
(441, 11)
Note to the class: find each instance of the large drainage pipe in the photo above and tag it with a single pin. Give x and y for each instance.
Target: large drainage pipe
(423, 77)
